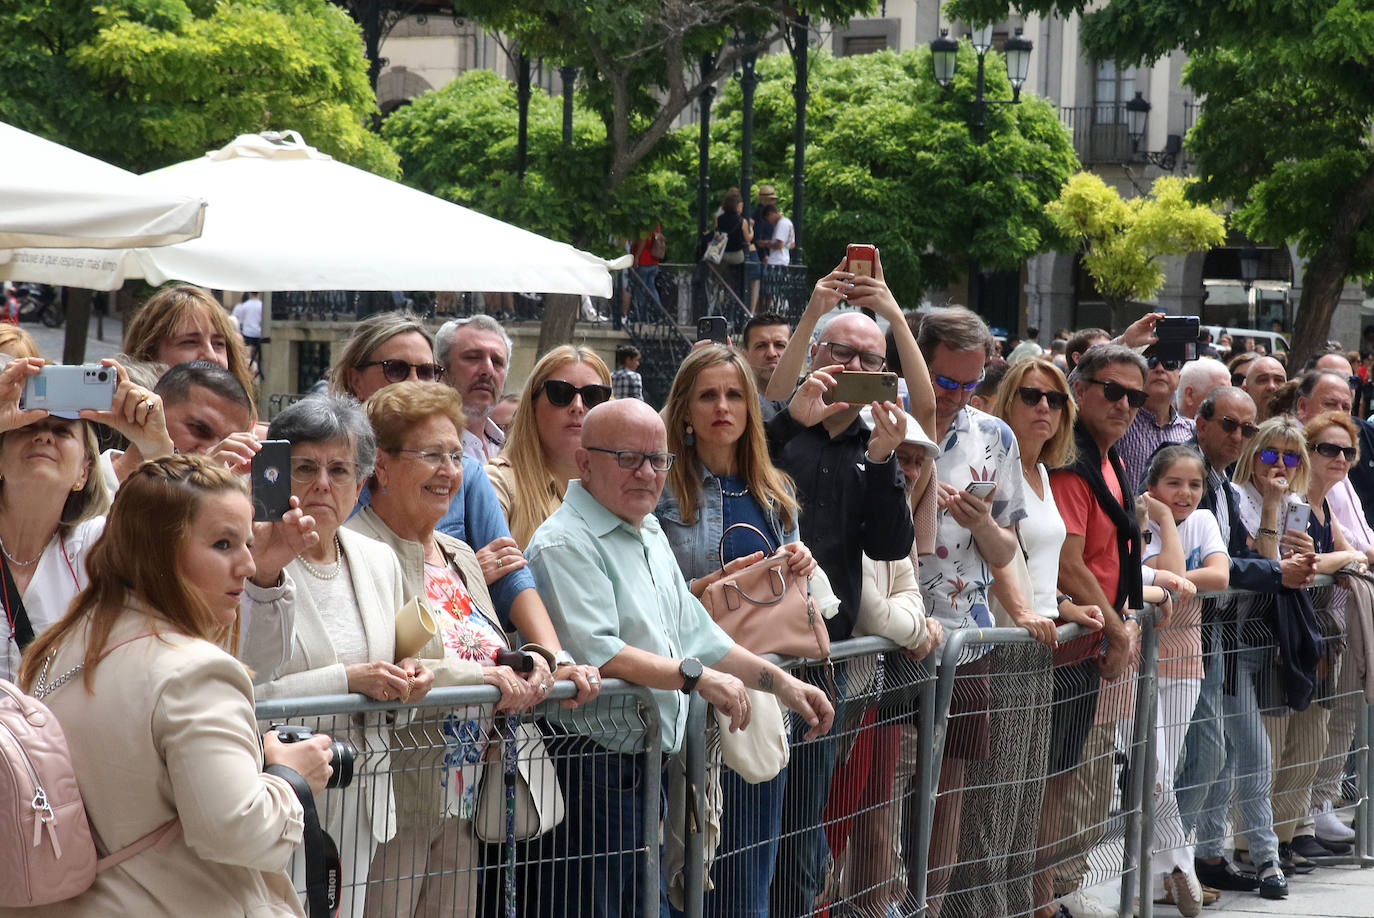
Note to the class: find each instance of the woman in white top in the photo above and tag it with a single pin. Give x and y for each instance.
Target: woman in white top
(1035, 401)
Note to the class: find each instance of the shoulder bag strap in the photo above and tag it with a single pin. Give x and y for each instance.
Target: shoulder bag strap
(14, 605)
(322, 868)
(720, 549)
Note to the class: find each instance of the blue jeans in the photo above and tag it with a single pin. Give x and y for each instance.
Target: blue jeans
(1204, 750)
(648, 274)
(751, 819)
(1250, 767)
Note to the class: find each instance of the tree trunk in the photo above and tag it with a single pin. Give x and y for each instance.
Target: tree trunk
(560, 315)
(78, 321)
(1326, 272)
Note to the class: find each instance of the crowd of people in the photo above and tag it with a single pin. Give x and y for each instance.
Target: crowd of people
(571, 520)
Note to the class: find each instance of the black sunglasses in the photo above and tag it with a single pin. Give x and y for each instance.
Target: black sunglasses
(560, 393)
(399, 370)
(1170, 365)
(1332, 450)
(1237, 379)
(1115, 392)
(1031, 396)
(1231, 424)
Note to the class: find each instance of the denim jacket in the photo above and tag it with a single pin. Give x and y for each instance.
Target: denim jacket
(697, 546)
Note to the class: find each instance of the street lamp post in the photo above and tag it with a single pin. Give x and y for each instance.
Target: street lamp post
(568, 75)
(1249, 273)
(1137, 116)
(944, 60)
(748, 82)
(708, 62)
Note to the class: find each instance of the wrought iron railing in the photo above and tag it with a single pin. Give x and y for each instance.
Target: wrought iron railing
(352, 305)
(655, 331)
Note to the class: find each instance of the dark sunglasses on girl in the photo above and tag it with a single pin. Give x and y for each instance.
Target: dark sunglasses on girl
(1031, 396)
(1271, 457)
(1115, 392)
(560, 393)
(399, 370)
(1332, 450)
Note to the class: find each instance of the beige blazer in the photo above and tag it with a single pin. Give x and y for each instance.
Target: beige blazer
(415, 772)
(312, 666)
(168, 731)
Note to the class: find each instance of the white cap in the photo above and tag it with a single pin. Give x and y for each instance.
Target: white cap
(914, 433)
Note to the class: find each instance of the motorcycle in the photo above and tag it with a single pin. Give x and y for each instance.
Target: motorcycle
(41, 302)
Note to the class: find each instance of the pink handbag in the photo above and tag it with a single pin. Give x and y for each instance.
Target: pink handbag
(767, 609)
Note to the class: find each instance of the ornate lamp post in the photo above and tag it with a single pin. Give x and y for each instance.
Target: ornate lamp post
(1137, 116)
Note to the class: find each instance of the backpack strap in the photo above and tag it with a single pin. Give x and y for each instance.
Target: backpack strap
(160, 837)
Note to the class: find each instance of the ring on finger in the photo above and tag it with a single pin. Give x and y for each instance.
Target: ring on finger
(150, 404)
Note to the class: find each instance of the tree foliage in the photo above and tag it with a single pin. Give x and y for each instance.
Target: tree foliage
(1122, 242)
(1284, 135)
(894, 160)
(146, 83)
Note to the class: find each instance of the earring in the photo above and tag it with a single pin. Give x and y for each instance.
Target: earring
(77, 487)
(690, 438)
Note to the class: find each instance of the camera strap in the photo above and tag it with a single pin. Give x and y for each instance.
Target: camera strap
(323, 873)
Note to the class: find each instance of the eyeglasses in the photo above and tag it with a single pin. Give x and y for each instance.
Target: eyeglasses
(949, 385)
(1332, 450)
(1031, 396)
(1170, 365)
(399, 370)
(1271, 457)
(1230, 425)
(307, 471)
(630, 460)
(869, 362)
(434, 458)
(1115, 392)
(560, 393)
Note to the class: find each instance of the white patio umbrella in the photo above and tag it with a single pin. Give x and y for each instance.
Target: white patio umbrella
(284, 216)
(53, 196)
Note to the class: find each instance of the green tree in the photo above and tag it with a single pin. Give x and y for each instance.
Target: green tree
(895, 160)
(458, 142)
(1284, 134)
(1122, 242)
(146, 83)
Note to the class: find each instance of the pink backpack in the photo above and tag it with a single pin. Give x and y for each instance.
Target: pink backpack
(47, 853)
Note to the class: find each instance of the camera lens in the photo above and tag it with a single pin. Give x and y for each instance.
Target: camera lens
(342, 755)
(103, 376)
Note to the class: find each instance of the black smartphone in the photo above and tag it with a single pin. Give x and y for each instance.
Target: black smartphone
(271, 478)
(1178, 328)
(713, 328)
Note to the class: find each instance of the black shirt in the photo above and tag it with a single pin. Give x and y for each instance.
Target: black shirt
(849, 506)
(732, 225)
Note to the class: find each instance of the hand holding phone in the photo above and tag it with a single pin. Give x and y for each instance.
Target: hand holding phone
(981, 489)
(713, 328)
(859, 388)
(70, 388)
(271, 481)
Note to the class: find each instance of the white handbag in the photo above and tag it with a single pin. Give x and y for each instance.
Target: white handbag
(538, 798)
(759, 751)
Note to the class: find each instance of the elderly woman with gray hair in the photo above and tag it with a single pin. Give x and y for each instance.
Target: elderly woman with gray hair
(342, 595)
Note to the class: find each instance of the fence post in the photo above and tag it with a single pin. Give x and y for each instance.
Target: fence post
(927, 768)
(1364, 831)
(1140, 823)
(694, 867)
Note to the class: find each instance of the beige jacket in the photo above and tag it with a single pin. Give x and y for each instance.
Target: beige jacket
(312, 666)
(168, 731)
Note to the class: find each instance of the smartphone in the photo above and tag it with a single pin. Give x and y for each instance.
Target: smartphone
(981, 489)
(1296, 518)
(1178, 328)
(62, 388)
(271, 481)
(713, 328)
(860, 258)
(861, 388)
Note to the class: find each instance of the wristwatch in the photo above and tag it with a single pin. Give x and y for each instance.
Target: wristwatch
(563, 658)
(690, 670)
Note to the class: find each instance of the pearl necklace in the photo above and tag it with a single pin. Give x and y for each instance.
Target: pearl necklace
(13, 560)
(319, 574)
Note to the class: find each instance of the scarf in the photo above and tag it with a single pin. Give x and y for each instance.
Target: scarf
(1128, 541)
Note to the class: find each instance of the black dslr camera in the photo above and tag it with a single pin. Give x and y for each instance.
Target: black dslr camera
(1178, 338)
(342, 752)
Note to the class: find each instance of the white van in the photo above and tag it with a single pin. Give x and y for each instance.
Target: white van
(1272, 341)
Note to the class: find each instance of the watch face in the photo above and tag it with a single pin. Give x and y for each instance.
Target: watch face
(690, 668)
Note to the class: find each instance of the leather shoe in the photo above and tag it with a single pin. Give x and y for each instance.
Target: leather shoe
(1224, 875)
(1272, 884)
(1336, 848)
(1307, 846)
(1292, 862)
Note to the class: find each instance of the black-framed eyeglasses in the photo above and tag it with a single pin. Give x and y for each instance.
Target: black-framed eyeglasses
(630, 460)
(1170, 365)
(949, 385)
(433, 458)
(340, 473)
(1332, 450)
(1271, 457)
(1031, 396)
(560, 393)
(399, 370)
(1115, 392)
(869, 362)
(1231, 425)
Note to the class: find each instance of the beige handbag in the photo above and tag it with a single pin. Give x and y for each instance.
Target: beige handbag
(415, 626)
(759, 751)
(538, 798)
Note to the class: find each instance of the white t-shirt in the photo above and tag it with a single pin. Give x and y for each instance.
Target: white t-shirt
(249, 316)
(787, 234)
(1200, 535)
(1042, 535)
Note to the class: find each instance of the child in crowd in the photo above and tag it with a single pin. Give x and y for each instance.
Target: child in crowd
(1184, 549)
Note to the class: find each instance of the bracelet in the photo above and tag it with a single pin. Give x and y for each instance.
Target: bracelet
(563, 658)
(1062, 598)
(1264, 532)
(1129, 617)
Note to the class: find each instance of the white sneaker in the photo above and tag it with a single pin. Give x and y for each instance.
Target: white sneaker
(1329, 826)
(1083, 904)
(1185, 891)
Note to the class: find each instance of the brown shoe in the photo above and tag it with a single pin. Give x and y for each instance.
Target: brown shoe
(1209, 895)
(1186, 893)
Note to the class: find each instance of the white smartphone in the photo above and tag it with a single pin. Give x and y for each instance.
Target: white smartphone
(1298, 513)
(981, 489)
(64, 388)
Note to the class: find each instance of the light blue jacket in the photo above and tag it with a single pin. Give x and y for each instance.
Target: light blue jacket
(697, 546)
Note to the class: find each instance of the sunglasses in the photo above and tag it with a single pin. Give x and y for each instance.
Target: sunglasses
(1332, 450)
(1230, 425)
(949, 385)
(560, 393)
(1271, 457)
(1115, 392)
(1237, 379)
(1031, 396)
(399, 370)
(1170, 365)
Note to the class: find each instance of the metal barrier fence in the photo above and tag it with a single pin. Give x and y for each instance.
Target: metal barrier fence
(986, 781)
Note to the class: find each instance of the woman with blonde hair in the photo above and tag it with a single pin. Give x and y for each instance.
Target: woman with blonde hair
(532, 473)
(181, 323)
(159, 695)
(16, 342)
(386, 348)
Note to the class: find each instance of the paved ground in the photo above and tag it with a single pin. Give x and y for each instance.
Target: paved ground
(1330, 892)
(50, 339)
